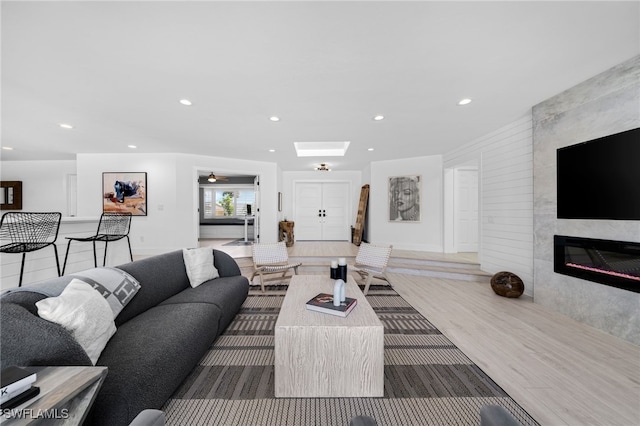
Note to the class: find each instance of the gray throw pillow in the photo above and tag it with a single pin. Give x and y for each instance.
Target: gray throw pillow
(115, 285)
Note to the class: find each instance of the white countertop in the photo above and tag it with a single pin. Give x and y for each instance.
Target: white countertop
(76, 219)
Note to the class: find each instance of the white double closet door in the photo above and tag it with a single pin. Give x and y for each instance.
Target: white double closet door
(322, 211)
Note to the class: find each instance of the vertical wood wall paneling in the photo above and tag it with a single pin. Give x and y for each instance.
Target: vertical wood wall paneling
(506, 197)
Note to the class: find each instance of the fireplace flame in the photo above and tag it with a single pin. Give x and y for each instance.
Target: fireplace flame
(605, 272)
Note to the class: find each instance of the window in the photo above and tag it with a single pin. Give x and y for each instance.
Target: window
(228, 201)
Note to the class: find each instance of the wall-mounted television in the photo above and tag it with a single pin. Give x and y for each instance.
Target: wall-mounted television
(600, 179)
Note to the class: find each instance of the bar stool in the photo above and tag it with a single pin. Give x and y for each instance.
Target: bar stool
(112, 227)
(29, 231)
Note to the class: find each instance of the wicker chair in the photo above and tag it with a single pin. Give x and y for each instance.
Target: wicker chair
(29, 231)
(371, 262)
(112, 227)
(271, 258)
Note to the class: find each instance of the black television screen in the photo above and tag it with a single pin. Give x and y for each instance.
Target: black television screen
(600, 179)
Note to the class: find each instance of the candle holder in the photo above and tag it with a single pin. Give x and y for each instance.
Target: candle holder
(338, 293)
(342, 269)
(333, 270)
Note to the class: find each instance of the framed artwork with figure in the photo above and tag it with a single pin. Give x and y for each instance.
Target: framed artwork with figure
(124, 192)
(404, 198)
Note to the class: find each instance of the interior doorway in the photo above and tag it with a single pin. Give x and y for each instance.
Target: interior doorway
(461, 208)
(466, 226)
(228, 206)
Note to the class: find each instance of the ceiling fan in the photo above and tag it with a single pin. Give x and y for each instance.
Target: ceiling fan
(213, 178)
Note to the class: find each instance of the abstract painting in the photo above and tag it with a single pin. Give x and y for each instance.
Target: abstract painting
(124, 192)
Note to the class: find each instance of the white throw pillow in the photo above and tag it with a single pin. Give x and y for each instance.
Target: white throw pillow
(199, 265)
(83, 311)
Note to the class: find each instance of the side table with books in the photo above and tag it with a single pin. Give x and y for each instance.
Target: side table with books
(64, 395)
(16, 386)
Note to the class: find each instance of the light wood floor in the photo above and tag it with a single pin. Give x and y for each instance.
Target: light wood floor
(561, 371)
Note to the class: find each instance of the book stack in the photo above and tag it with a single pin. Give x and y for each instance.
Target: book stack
(16, 386)
(323, 302)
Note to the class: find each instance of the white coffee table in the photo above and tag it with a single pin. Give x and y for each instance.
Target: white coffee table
(322, 355)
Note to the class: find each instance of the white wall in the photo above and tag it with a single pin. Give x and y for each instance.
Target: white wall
(505, 159)
(366, 175)
(163, 228)
(425, 235)
(43, 183)
(172, 195)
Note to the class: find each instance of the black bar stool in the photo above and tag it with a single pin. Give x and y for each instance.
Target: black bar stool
(30, 231)
(112, 227)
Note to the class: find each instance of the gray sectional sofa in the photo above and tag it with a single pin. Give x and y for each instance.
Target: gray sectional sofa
(161, 334)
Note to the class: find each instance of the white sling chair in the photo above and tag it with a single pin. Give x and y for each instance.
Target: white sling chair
(271, 258)
(371, 262)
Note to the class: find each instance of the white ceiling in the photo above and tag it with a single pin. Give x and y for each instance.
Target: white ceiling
(116, 71)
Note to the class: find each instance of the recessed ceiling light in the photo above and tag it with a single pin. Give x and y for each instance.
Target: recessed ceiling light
(370, 149)
(132, 146)
(378, 117)
(186, 102)
(7, 148)
(272, 150)
(274, 118)
(66, 126)
(464, 101)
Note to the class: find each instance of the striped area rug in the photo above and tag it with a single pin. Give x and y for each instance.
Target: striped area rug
(428, 380)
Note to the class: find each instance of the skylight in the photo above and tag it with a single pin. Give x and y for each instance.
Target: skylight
(321, 149)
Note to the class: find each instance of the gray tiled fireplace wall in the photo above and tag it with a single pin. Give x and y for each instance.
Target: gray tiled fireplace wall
(605, 104)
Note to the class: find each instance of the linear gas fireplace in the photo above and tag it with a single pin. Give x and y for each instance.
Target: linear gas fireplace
(614, 263)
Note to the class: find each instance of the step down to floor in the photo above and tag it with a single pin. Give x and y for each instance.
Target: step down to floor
(463, 274)
(421, 267)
